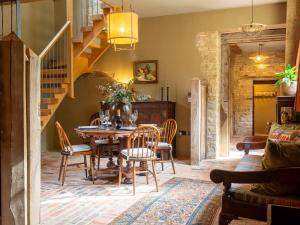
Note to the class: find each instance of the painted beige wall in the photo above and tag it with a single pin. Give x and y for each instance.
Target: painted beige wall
(172, 41)
(37, 23)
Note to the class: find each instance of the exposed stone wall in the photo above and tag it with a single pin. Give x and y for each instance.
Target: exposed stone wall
(243, 72)
(208, 45)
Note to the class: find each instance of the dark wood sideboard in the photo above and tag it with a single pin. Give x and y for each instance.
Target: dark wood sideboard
(154, 112)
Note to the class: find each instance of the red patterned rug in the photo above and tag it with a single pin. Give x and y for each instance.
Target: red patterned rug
(179, 201)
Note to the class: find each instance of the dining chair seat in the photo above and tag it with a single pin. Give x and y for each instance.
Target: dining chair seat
(68, 150)
(168, 132)
(77, 149)
(138, 153)
(162, 145)
(106, 141)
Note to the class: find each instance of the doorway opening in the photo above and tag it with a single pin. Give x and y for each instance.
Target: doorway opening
(248, 64)
(264, 106)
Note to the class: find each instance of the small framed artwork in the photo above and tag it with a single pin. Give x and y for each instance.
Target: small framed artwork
(145, 72)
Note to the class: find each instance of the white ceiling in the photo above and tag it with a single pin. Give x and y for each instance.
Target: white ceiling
(151, 8)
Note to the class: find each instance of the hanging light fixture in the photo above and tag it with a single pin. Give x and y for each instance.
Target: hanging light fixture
(122, 29)
(253, 28)
(259, 57)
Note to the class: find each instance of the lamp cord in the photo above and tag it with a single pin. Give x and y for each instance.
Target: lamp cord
(11, 15)
(252, 13)
(2, 20)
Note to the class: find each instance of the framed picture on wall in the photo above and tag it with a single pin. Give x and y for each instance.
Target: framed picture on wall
(145, 72)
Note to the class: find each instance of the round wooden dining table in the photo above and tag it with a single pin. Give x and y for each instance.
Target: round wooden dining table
(95, 133)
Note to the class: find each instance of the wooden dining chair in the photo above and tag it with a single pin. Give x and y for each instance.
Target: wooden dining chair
(139, 151)
(168, 131)
(102, 143)
(68, 150)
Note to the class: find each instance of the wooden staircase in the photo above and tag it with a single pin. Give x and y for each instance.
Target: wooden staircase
(86, 50)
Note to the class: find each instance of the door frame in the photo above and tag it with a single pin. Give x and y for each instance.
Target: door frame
(272, 81)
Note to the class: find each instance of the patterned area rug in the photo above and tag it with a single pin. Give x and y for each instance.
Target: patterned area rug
(179, 201)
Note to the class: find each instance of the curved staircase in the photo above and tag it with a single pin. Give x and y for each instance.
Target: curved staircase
(61, 66)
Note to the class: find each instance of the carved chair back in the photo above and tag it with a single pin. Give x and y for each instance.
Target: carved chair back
(139, 139)
(63, 139)
(95, 122)
(169, 129)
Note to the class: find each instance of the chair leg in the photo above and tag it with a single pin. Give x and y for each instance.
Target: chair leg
(61, 166)
(65, 170)
(172, 160)
(147, 173)
(154, 174)
(92, 169)
(120, 170)
(99, 151)
(162, 159)
(133, 177)
(85, 166)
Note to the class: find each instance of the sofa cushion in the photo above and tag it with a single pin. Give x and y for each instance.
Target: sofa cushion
(244, 193)
(279, 155)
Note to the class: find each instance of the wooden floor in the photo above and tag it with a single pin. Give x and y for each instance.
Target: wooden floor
(80, 202)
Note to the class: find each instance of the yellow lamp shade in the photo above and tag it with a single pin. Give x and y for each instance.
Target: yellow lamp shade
(122, 28)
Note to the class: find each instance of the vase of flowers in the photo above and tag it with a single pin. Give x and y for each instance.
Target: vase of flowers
(119, 97)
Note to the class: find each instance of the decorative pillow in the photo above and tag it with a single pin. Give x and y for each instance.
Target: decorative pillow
(280, 135)
(286, 133)
(279, 155)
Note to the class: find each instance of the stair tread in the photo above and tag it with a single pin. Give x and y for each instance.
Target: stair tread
(77, 40)
(94, 45)
(86, 29)
(53, 80)
(86, 55)
(53, 90)
(45, 112)
(97, 17)
(54, 71)
(49, 101)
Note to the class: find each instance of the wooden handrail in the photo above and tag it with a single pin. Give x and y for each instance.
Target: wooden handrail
(106, 3)
(55, 39)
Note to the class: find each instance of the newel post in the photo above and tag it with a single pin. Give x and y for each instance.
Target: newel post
(198, 121)
(69, 8)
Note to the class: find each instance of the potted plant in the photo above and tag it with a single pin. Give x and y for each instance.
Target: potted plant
(287, 80)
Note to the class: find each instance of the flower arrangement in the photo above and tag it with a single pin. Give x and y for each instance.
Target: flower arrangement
(117, 92)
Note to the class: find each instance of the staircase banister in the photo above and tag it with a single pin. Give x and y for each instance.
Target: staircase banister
(55, 39)
(108, 4)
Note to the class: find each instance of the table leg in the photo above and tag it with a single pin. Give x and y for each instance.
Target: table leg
(93, 155)
(128, 176)
(128, 168)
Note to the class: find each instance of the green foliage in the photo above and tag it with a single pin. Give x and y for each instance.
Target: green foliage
(117, 92)
(287, 76)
